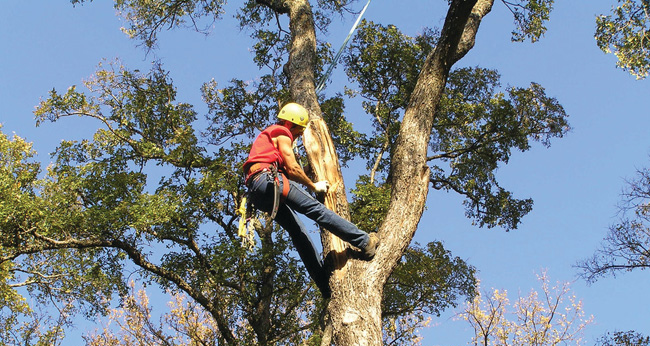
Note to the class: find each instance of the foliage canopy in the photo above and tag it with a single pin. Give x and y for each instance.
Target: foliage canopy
(156, 189)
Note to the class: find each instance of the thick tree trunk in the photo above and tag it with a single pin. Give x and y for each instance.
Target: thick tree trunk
(355, 308)
(319, 146)
(409, 168)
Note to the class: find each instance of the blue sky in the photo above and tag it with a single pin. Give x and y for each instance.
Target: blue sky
(575, 184)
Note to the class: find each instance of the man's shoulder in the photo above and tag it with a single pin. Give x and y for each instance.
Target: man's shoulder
(278, 130)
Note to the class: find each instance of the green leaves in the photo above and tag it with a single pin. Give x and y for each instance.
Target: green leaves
(138, 112)
(70, 103)
(370, 203)
(34, 211)
(16, 171)
(147, 18)
(627, 338)
(626, 33)
(476, 129)
(530, 18)
(349, 143)
(240, 110)
(20, 208)
(385, 64)
(428, 280)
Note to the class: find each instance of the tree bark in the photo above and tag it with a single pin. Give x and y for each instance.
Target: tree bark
(409, 170)
(317, 139)
(355, 307)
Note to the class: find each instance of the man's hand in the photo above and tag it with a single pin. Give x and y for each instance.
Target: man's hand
(321, 186)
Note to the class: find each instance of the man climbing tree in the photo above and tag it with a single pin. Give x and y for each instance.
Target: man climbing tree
(271, 170)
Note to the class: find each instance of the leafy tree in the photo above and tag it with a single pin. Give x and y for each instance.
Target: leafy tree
(92, 215)
(405, 305)
(98, 213)
(625, 33)
(627, 245)
(550, 317)
(21, 212)
(629, 338)
(421, 286)
(96, 174)
(184, 324)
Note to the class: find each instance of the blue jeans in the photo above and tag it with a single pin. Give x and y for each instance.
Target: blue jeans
(298, 200)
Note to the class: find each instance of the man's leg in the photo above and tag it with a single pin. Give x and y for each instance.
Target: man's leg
(261, 190)
(302, 202)
(310, 256)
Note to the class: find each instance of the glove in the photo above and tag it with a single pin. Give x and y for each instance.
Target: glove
(321, 186)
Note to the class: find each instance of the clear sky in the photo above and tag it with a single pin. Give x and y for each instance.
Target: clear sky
(575, 184)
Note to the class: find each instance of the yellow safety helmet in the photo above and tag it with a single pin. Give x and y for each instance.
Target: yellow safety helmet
(294, 113)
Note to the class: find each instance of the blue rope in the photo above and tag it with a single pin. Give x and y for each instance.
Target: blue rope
(321, 84)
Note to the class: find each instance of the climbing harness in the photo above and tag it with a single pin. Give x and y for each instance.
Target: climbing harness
(279, 194)
(321, 84)
(245, 230)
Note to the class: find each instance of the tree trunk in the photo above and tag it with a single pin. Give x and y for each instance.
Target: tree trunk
(409, 169)
(317, 139)
(355, 308)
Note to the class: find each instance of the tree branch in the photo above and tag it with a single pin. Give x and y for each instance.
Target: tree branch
(33, 281)
(139, 259)
(480, 10)
(277, 6)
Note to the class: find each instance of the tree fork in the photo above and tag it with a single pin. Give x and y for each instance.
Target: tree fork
(355, 308)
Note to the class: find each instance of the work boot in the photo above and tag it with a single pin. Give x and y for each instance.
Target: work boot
(371, 247)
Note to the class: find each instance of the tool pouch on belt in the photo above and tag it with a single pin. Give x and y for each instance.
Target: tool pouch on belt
(278, 196)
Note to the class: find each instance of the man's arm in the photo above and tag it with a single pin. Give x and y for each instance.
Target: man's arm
(291, 166)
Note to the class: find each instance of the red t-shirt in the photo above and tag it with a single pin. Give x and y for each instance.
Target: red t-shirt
(263, 150)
